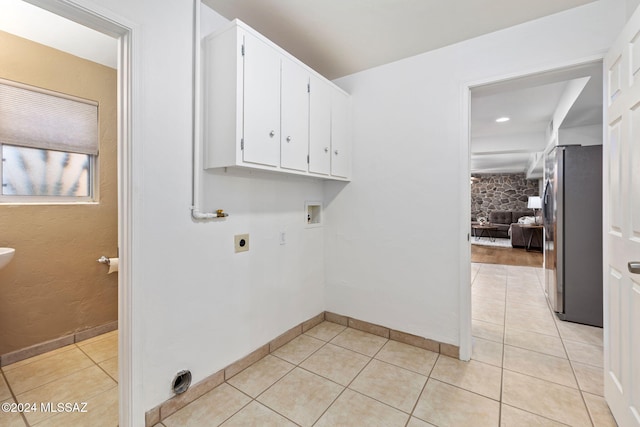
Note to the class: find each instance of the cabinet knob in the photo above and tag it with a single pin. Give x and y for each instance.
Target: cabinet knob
(288, 139)
(272, 133)
(335, 152)
(326, 149)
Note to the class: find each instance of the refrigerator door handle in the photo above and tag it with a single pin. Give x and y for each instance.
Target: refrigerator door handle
(545, 196)
(634, 267)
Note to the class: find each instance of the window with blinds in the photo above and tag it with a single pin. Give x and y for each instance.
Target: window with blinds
(48, 142)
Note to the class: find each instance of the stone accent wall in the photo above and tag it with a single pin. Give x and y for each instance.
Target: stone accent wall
(501, 192)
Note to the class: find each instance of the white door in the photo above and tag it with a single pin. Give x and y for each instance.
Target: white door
(261, 131)
(320, 127)
(622, 225)
(294, 140)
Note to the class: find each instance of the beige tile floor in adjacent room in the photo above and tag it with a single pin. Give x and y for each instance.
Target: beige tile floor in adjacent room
(83, 372)
(528, 369)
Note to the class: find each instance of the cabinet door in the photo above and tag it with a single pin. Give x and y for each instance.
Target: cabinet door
(320, 127)
(340, 153)
(294, 140)
(261, 127)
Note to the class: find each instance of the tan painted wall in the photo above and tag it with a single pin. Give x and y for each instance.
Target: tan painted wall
(54, 286)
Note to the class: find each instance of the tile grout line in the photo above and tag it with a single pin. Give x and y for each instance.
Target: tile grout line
(56, 379)
(372, 358)
(98, 365)
(505, 369)
(94, 363)
(15, 398)
(504, 333)
(573, 371)
(252, 399)
(562, 341)
(415, 405)
(353, 379)
(499, 401)
(287, 373)
(555, 322)
(255, 399)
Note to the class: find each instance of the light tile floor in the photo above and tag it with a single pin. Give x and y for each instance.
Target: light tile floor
(86, 372)
(528, 368)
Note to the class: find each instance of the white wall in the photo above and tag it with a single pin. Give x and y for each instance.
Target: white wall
(394, 238)
(631, 7)
(580, 135)
(196, 304)
(211, 306)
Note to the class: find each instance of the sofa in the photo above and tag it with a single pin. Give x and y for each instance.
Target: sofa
(504, 219)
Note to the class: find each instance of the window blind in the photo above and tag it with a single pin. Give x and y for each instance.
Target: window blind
(32, 117)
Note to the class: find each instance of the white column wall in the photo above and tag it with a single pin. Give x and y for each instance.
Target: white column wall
(393, 240)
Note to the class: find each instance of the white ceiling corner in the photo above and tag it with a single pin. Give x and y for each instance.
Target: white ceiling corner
(33, 23)
(341, 37)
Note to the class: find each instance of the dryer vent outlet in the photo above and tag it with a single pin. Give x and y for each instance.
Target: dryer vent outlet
(181, 382)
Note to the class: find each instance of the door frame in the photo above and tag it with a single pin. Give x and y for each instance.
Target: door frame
(106, 22)
(465, 315)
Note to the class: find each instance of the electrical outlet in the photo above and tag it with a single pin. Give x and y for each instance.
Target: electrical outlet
(241, 242)
(283, 238)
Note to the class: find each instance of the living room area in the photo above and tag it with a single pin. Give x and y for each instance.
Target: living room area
(506, 218)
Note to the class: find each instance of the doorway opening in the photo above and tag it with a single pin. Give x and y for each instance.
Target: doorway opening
(102, 217)
(511, 124)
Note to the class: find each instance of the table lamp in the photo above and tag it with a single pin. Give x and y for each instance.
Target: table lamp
(535, 202)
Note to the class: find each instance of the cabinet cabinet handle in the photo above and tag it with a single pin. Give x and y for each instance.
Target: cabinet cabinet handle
(288, 139)
(326, 149)
(272, 133)
(336, 152)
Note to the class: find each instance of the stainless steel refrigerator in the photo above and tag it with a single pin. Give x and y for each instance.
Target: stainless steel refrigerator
(572, 212)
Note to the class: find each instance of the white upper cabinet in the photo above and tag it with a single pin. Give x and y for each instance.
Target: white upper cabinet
(261, 103)
(320, 126)
(264, 109)
(295, 116)
(340, 137)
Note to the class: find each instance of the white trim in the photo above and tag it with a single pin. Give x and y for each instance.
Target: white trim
(129, 348)
(465, 192)
(533, 71)
(131, 407)
(465, 343)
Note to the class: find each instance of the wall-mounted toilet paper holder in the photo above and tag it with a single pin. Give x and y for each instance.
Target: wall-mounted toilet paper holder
(113, 263)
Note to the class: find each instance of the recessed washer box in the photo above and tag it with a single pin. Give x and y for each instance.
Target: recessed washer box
(241, 242)
(313, 213)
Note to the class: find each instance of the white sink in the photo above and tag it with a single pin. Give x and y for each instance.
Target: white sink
(5, 256)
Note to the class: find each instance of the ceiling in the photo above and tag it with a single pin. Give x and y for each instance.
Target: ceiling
(341, 37)
(36, 24)
(530, 102)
